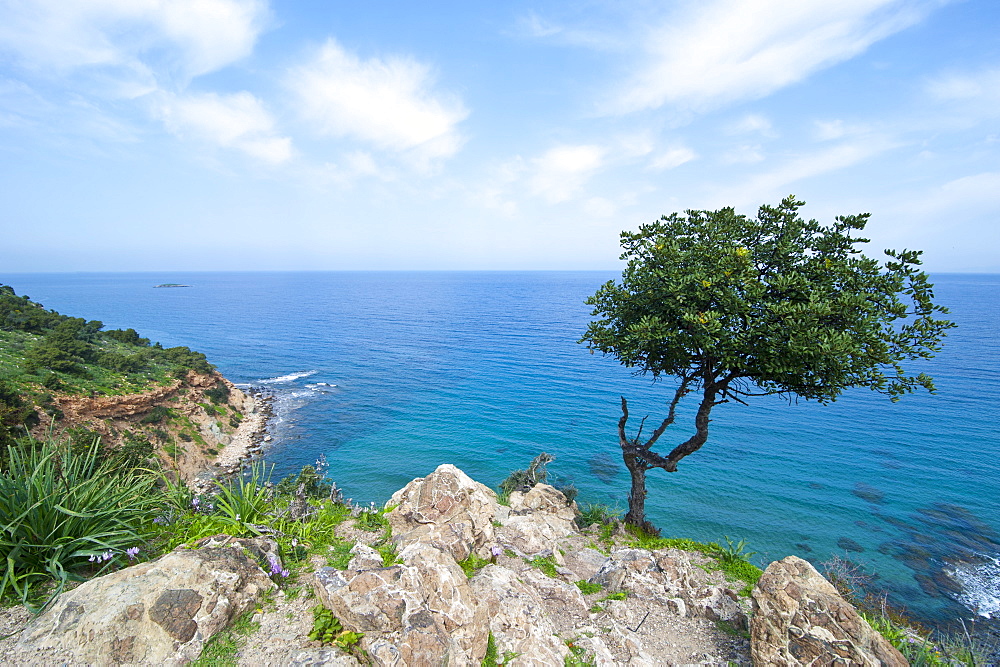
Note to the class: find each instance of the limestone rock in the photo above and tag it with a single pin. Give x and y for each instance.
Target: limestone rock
(538, 520)
(322, 656)
(516, 618)
(161, 612)
(446, 509)
(584, 563)
(364, 558)
(800, 619)
(543, 498)
(626, 565)
(422, 611)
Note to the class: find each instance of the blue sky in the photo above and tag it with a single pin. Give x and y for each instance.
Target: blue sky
(247, 135)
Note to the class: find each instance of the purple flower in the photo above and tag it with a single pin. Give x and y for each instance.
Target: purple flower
(132, 553)
(276, 569)
(496, 550)
(195, 502)
(161, 521)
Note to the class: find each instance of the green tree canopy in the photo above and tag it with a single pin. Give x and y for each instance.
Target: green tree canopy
(733, 307)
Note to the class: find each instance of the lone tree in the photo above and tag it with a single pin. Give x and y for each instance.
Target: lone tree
(732, 307)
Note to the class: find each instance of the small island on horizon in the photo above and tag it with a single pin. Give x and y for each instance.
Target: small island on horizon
(170, 285)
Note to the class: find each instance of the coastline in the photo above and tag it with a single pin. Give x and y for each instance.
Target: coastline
(246, 443)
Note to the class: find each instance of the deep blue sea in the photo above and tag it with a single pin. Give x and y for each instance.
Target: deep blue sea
(391, 374)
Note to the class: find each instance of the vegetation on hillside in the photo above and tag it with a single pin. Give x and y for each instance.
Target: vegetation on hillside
(42, 351)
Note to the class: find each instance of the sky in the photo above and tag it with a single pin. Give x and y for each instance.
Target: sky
(158, 135)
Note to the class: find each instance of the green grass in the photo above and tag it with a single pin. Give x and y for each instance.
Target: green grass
(493, 657)
(339, 554)
(730, 629)
(547, 564)
(60, 510)
(731, 560)
(222, 649)
(389, 554)
(472, 564)
(598, 513)
(588, 588)
(577, 656)
(174, 451)
(372, 520)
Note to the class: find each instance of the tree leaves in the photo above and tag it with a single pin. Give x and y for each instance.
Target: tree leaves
(788, 304)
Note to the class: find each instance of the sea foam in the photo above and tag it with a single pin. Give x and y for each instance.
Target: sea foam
(281, 379)
(980, 584)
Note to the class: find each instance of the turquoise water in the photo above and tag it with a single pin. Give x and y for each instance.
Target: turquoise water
(391, 374)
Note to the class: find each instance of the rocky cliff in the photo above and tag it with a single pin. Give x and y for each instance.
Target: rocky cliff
(197, 426)
(472, 577)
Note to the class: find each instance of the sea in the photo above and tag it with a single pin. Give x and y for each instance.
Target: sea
(389, 374)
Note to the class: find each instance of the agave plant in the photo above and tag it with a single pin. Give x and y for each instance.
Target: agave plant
(63, 515)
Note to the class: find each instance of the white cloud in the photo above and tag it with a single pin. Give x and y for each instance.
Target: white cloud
(967, 86)
(237, 121)
(560, 172)
(140, 41)
(975, 93)
(751, 124)
(388, 103)
(671, 158)
(976, 194)
(829, 130)
(599, 207)
(745, 154)
(532, 25)
(769, 185)
(954, 223)
(727, 50)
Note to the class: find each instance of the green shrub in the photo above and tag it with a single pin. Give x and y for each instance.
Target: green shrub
(64, 514)
(313, 484)
(372, 520)
(523, 480)
(493, 657)
(218, 394)
(472, 564)
(156, 415)
(588, 588)
(592, 513)
(547, 564)
(327, 629)
(245, 502)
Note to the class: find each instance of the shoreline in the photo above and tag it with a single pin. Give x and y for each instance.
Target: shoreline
(246, 443)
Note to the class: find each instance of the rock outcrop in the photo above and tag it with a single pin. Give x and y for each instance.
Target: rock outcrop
(800, 619)
(424, 610)
(447, 509)
(529, 566)
(191, 434)
(161, 612)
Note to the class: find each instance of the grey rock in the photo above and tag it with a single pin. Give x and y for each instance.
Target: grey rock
(161, 612)
(800, 619)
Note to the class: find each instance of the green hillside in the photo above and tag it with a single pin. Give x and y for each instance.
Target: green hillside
(42, 351)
